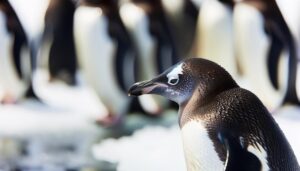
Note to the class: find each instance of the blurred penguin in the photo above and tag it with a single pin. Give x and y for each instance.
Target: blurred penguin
(214, 37)
(182, 16)
(266, 51)
(57, 53)
(15, 57)
(148, 26)
(105, 55)
(291, 13)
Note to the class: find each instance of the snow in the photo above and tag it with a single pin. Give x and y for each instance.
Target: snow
(31, 118)
(151, 148)
(288, 118)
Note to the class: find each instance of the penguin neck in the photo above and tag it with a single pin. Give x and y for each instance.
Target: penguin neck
(190, 106)
(199, 100)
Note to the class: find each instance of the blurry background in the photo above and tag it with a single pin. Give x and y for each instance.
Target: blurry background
(66, 66)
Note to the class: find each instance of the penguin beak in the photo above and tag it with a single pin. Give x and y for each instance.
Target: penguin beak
(145, 87)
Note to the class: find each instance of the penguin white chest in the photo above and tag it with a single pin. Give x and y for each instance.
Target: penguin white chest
(199, 151)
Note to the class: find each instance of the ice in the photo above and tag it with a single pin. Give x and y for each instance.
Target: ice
(49, 136)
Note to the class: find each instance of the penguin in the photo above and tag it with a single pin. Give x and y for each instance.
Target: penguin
(147, 25)
(221, 123)
(291, 14)
(57, 53)
(15, 57)
(106, 55)
(215, 34)
(273, 54)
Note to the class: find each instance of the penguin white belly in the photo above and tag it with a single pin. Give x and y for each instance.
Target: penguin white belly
(291, 14)
(96, 52)
(9, 79)
(215, 35)
(252, 48)
(137, 23)
(200, 154)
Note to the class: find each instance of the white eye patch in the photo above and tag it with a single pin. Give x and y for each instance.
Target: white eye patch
(173, 76)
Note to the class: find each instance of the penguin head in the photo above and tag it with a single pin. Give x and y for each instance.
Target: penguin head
(185, 79)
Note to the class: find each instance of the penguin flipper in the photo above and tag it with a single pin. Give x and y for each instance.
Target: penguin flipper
(238, 157)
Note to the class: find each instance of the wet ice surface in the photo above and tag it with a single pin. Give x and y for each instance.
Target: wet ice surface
(39, 137)
(160, 148)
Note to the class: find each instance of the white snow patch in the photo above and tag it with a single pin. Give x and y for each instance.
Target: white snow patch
(31, 118)
(148, 149)
(288, 118)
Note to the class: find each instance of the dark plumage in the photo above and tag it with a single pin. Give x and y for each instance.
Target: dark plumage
(62, 61)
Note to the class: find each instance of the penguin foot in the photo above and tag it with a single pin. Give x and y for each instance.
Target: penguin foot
(110, 120)
(8, 99)
(156, 113)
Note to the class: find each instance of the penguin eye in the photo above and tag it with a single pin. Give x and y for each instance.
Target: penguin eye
(173, 81)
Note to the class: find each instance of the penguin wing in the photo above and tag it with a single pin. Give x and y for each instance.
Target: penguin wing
(238, 157)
